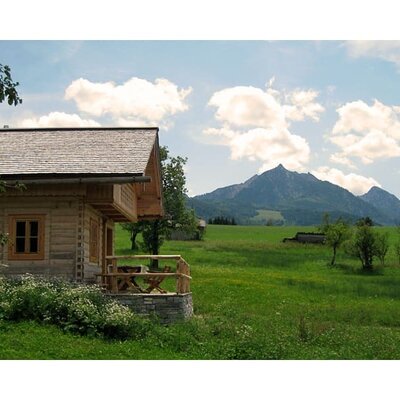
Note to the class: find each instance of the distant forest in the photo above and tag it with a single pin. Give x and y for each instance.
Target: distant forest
(222, 221)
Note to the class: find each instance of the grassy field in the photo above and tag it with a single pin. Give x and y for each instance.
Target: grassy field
(254, 298)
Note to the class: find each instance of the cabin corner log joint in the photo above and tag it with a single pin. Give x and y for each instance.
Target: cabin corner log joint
(79, 183)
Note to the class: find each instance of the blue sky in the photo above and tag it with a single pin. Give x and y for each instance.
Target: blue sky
(234, 108)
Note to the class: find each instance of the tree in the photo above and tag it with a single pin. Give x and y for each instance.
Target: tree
(8, 89)
(336, 233)
(381, 246)
(177, 215)
(365, 221)
(362, 246)
(8, 92)
(134, 229)
(397, 245)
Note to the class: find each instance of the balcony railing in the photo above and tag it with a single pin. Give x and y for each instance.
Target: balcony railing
(122, 278)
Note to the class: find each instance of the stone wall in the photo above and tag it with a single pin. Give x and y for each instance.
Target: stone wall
(169, 308)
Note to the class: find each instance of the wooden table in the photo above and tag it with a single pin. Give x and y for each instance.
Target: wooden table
(129, 282)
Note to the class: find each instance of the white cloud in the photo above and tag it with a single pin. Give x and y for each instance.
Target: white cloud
(136, 100)
(57, 119)
(253, 107)
(303, 105)
(247, 106)
(366, 132)
(388, 50)
(256, 124)
(340, 158)
(357, 184)
(359, 117)
(272, 147)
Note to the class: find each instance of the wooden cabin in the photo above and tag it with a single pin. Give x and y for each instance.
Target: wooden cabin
(79, 182)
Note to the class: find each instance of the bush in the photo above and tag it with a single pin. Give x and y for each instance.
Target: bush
(381, 246)
(75, 308)
(364, 246)
(367, 244)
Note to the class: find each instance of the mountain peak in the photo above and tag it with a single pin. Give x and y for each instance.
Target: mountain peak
(280, 167)
(375, 189)
(387, 202)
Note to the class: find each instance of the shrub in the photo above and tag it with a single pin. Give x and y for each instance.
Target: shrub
(397, 251)
(75, 308)
(367, 244)
(381, 246)
(364, 242)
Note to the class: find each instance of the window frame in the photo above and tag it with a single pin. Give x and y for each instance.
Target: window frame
(12, 228)
(94, 240)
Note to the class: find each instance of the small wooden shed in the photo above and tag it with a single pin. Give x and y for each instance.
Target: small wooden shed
(79, 182)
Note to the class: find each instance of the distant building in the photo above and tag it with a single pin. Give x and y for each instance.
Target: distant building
(178, 234)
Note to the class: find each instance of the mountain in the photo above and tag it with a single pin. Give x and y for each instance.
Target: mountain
(384, 201)
(299, 198)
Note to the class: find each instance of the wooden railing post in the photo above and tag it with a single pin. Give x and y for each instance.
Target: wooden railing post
(114, 279)
(178, 278)
(182, 273)
(183, 282)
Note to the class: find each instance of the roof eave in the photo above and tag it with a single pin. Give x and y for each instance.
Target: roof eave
(108, 179)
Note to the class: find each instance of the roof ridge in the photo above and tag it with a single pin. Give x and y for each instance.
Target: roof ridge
(86, 128)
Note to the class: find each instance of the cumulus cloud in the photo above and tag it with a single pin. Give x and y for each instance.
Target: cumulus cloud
(247, 106)
(57, 119)
(254, 107)
(357, 184)
(256, 122)
(271, 146)
(136, 100)
(339, 158)
(367, 132)
(388, 50)
(303, 105)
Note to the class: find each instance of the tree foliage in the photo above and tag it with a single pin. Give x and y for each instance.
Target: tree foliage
(364, 245)
(368, 244)
(381, 246)
(336, 233)
(222, 221)
(8, 92)
(397, 245)
(365, 221)
(8, 87)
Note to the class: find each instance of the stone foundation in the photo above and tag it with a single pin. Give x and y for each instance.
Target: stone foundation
(169, 307)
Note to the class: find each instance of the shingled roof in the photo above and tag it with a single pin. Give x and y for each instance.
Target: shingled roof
(75, 151)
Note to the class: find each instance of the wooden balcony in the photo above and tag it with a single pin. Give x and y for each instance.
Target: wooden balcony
(118, 202)
(116, 279)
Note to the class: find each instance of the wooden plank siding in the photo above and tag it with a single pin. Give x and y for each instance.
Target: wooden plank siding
(60, 235)
(149, 197)
(115, 201)
(66, 237)
(90, 268)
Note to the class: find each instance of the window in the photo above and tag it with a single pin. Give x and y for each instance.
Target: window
(94, 241)
(26, 237)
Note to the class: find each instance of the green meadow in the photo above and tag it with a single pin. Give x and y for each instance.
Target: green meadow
(254, 298)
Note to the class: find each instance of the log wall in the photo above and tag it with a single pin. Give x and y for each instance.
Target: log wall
(91, 268)
(60, 236)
